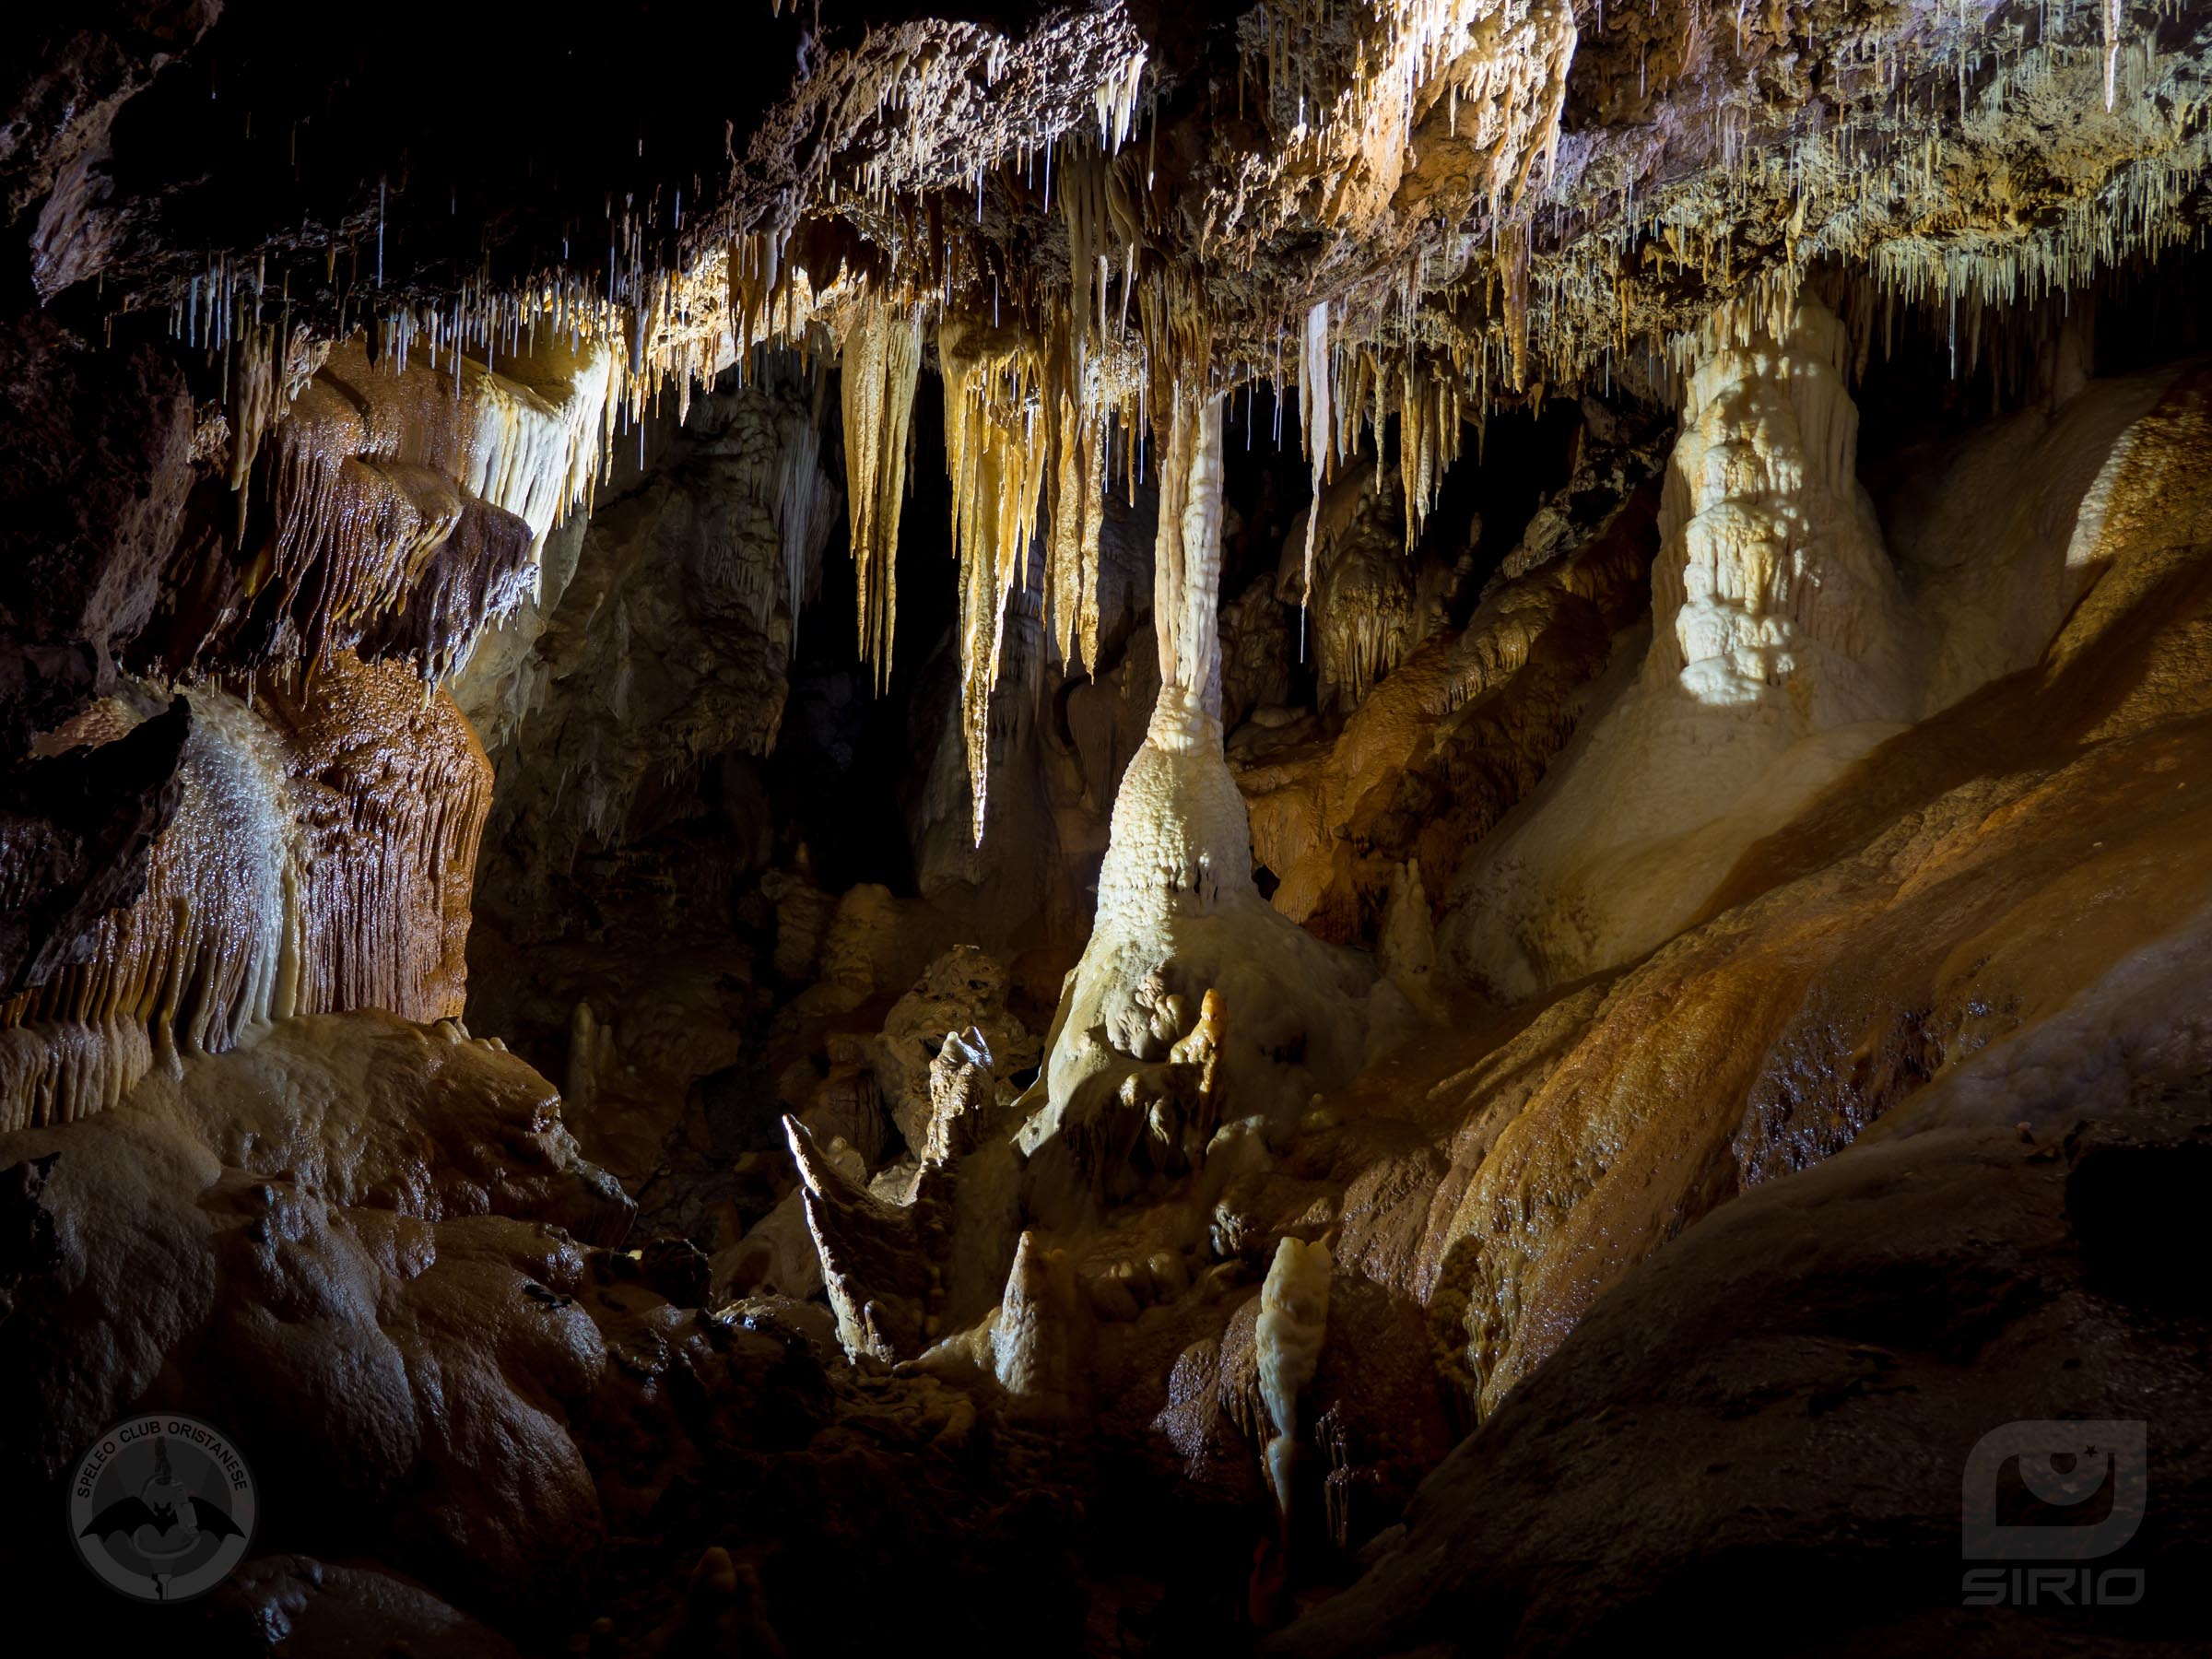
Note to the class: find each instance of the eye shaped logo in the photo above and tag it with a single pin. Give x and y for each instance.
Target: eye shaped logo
(162, 1508)
(2061, 1466)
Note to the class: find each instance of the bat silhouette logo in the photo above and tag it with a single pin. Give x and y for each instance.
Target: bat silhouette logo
(162, 1508)
(128, 1515)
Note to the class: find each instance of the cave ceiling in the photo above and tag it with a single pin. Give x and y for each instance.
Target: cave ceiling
(1501, 194)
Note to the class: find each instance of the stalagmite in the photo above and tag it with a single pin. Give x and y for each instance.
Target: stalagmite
(1294, 1313)
(1179, 919)
(875, 1256)
(1042, 1336)
(1782, 651)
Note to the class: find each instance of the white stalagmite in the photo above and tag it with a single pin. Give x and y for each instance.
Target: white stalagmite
(1178, 915)
(1782, 650)
(1294, 1316)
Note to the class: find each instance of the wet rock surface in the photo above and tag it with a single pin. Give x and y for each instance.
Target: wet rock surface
(1778, 1411)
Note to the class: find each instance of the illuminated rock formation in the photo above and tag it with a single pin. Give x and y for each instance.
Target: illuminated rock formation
(318, 859)
(1809, 1000)
(1780, 652)
(1294, 1310)
(1178, 916)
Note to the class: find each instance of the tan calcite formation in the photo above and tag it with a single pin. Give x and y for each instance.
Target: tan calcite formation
(879, 366)
(1438, 753)
(320, 860)
(390, 792)
(998, 473)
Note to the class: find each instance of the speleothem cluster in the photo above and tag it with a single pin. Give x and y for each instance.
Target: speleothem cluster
(1510, 757)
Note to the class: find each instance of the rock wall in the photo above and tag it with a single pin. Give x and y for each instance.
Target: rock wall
(318, 858)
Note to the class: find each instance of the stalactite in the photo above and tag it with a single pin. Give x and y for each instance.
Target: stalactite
(1429, 442)
(1078, 512)
(1313, 389)
(997, 461)
(882, 359)
(374, 469)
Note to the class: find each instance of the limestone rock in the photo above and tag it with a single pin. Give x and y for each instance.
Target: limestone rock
(964, 990)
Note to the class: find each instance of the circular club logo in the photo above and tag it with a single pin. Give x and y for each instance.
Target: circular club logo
(162, 1507)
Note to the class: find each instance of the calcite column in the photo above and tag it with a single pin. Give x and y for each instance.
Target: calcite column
(1773, 590)
(1178, 914)
(1782, 650)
